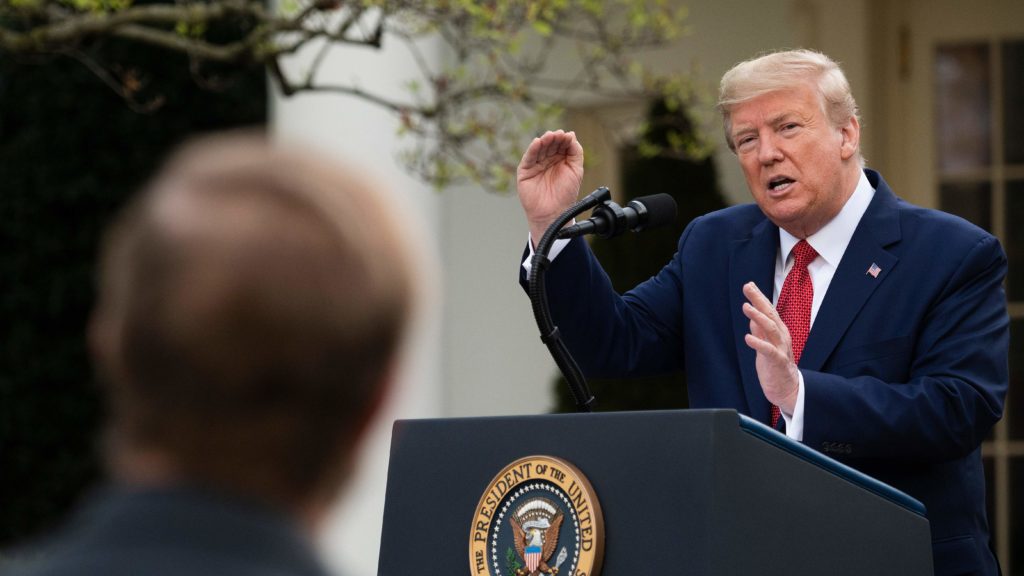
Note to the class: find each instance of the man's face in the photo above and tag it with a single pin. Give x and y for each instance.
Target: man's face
(799, 167)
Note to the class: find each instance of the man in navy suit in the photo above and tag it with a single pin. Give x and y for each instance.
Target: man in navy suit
(887, 349)
(251, 306)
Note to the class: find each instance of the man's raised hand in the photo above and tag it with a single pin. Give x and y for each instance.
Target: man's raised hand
(548, 178)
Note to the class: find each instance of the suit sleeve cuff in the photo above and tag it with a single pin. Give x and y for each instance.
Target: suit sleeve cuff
(556, 248)
(795, 421)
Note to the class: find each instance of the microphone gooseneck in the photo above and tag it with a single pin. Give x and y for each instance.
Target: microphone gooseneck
(539, 300)
(609, 220)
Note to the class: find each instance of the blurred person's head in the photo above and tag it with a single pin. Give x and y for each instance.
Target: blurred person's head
(252, 301)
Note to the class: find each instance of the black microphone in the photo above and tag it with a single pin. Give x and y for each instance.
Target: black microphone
(609, 219)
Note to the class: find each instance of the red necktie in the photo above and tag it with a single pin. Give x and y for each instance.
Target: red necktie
(794, 304)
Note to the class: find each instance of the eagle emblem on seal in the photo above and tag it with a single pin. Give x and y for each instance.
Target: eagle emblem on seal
(535, 525)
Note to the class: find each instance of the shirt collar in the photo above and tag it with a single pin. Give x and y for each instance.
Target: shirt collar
(831, 241)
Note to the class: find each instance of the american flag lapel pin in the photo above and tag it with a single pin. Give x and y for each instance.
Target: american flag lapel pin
(874, 270)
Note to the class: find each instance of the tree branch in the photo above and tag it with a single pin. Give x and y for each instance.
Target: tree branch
(467, 117)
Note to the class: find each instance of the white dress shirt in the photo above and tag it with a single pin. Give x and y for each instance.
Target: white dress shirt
(830, 243)
(556, 247)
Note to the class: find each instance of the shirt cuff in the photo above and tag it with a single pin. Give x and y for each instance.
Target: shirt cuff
(795, 421)
(556, 248)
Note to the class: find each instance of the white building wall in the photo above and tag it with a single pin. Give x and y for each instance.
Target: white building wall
(494, 361)
(365, 135)
(722, 33)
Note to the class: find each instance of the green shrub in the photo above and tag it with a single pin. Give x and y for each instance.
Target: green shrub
(71, 151)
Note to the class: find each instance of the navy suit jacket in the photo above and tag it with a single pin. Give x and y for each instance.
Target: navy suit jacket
(905, 373)
(174, 532)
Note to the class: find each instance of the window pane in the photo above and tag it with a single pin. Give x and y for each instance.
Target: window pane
(1016, 505)
(1013, 96)
(1014, 241)
(970, 201)
(963, 114)
(990, 499)
(1014, 413)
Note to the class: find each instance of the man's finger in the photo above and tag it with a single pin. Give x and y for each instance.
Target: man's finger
(758, 299)
(540, 154)
(754, 342)
(768, 325)
(553, 143)
(764, 347)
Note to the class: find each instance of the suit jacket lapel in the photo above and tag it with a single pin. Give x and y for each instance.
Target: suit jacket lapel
(751, 259)
(853, 284)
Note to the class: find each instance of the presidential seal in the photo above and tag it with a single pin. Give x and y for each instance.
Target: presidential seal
(538, 516)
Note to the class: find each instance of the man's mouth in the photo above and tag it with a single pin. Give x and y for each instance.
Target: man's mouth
(779, 184)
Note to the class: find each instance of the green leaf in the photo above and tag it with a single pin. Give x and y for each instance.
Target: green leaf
(288, 7)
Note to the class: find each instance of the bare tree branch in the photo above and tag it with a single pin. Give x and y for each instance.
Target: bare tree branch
(467, 116)
(119, 86)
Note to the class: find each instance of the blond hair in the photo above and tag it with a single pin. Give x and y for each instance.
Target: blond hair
(781, 71)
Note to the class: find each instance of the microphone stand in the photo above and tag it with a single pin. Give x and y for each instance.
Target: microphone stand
(549, 334)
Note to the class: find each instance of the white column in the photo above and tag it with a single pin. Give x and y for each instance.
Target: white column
(364, 135)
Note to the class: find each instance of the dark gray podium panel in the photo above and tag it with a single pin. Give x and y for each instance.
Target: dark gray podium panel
(683, 492)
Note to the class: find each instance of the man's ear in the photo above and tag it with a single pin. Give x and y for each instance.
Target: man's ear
(851, 138)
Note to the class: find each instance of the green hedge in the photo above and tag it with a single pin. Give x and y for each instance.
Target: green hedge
(71, 151)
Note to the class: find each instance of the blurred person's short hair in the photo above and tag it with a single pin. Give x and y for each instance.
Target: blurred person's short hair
(251, 304)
